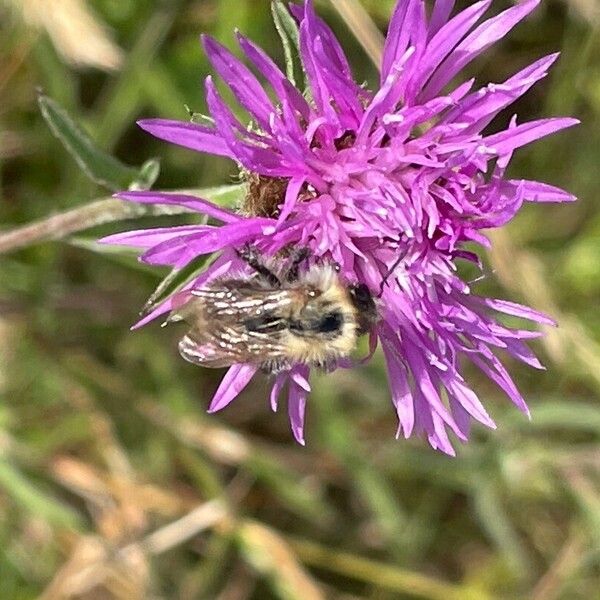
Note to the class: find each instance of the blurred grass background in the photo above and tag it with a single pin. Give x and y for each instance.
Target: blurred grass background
(114, 483)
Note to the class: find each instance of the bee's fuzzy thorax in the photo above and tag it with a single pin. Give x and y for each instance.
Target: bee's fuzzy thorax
(321, 277)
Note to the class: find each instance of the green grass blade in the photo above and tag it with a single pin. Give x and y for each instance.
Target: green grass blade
(29, 497)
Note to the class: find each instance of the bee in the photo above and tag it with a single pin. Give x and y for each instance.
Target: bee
(277, 317)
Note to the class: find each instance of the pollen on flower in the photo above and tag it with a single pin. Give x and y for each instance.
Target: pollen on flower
(346, 140)
(264, 195)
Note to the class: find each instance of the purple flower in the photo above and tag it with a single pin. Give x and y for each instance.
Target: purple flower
(364, 177)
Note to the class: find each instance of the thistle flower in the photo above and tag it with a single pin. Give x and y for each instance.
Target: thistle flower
(364, 177)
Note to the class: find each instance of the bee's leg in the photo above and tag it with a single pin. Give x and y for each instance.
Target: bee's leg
(327, 365)
(402, 254)
(250, 255)
(298, 256)
(274, 366)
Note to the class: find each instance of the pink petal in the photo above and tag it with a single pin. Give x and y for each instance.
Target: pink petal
(262, 160)
(535, 191)
(401, 394)
(480, 40)
(241, 81)
(517, 310)
(440, 15)
(192, 202)
(398, 35)
(297, 402)
(180, 251)
(278, 385)
(146, 238)
(448, 37)
(470, 402)
(291, 197)
(190, 135)
(509, 140)
(235, 380)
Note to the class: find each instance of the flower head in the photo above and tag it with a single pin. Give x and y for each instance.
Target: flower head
(364, 178)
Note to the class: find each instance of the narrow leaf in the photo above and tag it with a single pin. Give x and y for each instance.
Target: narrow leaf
(290, 37)
(99, 166)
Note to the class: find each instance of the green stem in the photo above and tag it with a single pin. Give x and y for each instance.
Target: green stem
(380, 574)
(59, 226)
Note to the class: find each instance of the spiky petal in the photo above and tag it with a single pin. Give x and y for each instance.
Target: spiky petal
(406, 171)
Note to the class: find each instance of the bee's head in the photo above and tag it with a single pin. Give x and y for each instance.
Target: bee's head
(363, 301)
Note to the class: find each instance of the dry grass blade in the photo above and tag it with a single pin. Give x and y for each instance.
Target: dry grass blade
(362, 27)
(75, 31)
(201, 518)
(118, 503)
(14, 62)
(273, 556)
(240, 584)
(549, 586)
(7, 353)
(12, 144)
(89, 573)
(222, 445)
(93, 570)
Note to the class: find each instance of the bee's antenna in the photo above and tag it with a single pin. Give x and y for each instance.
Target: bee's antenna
(391, 271)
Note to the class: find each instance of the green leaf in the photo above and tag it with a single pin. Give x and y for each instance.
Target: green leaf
(227, 196)
(494, 518)
(576, 416)
(174, 281)
(294, 494)
(100, 167)
(147, 176)
(287, 29)
(32, 500)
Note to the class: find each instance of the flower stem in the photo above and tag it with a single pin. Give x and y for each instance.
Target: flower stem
(379, 574)
(61, 225)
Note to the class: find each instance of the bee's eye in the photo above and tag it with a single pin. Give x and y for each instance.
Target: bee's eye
(330, 322)
(329, 325)
(361, 298)
(361, 293)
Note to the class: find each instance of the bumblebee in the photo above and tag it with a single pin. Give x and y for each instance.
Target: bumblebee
(276, 317)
